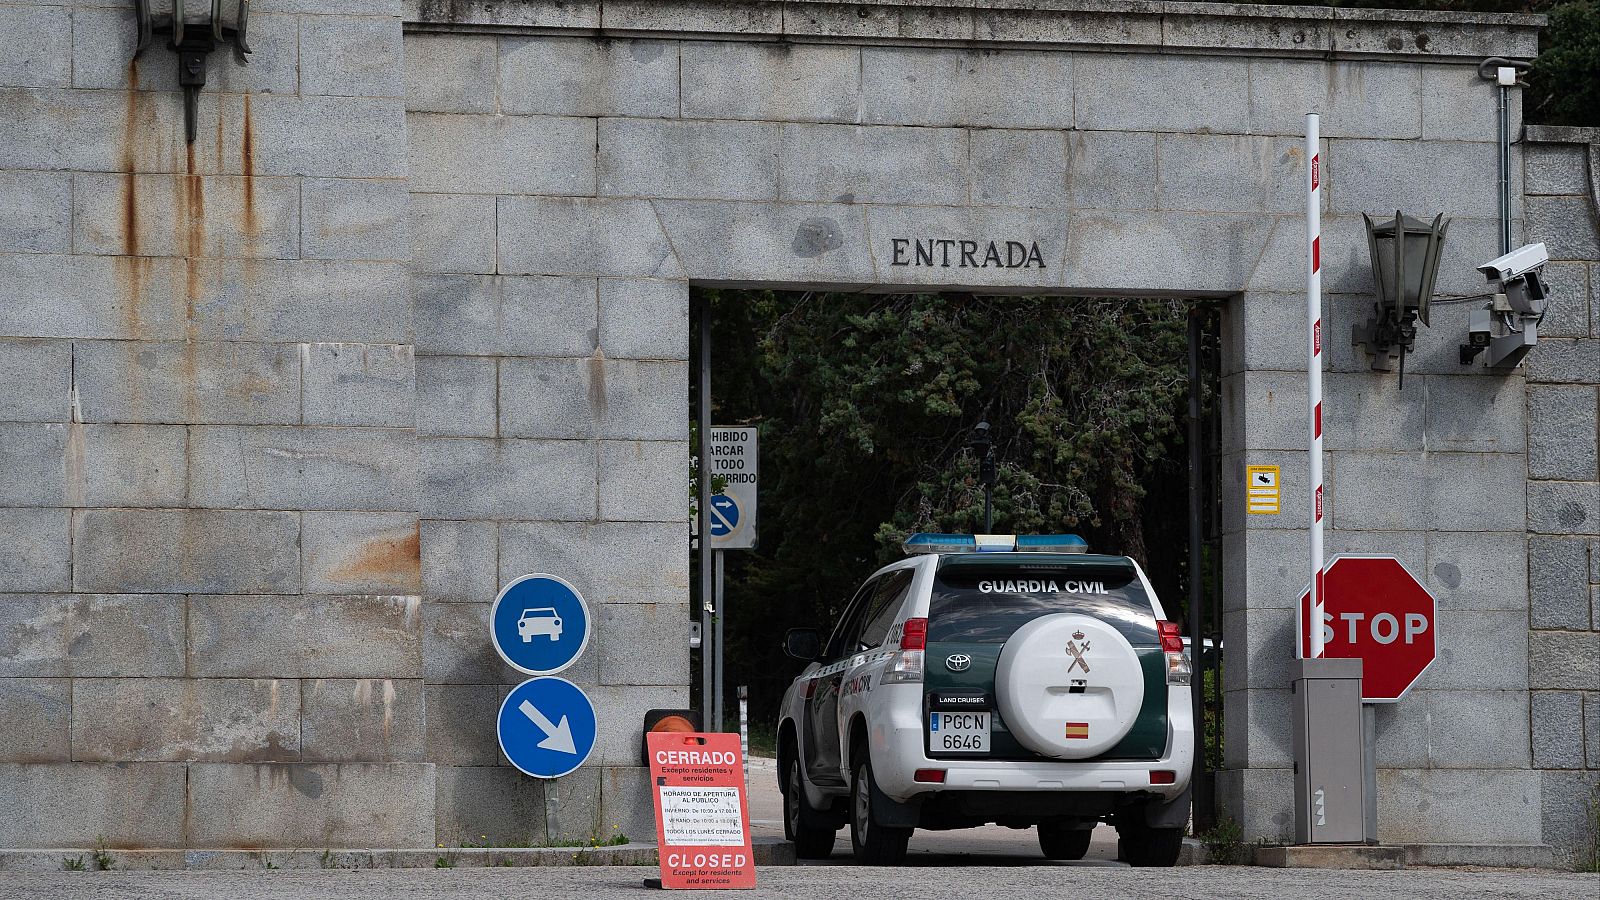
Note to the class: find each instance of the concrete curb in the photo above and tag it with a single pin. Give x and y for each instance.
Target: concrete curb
(768, 852)
(1398, 856)
(1499, 856)
(1331, 856)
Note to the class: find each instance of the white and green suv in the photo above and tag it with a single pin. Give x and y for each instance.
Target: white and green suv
(991, 678)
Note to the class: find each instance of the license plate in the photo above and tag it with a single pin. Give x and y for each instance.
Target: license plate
(958, 732)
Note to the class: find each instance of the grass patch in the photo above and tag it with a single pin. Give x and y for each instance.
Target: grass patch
(73, 864)
(616, 840)
(1224, 843)
(103, 860)
(763, 739)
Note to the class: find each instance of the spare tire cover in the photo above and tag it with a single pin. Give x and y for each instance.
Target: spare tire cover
(1069, 686)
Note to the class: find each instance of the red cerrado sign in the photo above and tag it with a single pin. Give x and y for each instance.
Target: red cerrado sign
(702, 821)
(1377, 611)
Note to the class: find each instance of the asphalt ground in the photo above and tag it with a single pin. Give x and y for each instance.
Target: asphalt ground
(990, 845)
(1077, 883)
(973, 864)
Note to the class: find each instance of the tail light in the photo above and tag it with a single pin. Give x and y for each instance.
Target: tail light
(905, 666)
(1163, 776)
(928, 776)
(914, 636)
(1178, 669)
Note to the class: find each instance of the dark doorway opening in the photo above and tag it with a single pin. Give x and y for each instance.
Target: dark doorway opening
(867, 403)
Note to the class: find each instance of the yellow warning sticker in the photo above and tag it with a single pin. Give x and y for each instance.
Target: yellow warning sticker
(1263, 491)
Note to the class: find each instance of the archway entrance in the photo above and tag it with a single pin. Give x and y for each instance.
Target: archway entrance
(868, 408)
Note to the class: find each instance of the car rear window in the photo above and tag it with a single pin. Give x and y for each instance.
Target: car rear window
(984, 600)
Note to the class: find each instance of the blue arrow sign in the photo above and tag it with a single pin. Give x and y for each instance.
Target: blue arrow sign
(546, 727)
(539, 624)
(724, 515)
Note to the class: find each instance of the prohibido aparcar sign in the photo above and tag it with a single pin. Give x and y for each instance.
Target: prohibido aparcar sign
(733, 509)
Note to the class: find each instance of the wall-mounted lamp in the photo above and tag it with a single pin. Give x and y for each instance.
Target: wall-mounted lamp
(1405, 263)
(195, 33)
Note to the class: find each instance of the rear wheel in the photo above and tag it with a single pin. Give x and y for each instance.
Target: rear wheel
(811, 840)
(873, 844)
(1059, 841)
(1140, 845)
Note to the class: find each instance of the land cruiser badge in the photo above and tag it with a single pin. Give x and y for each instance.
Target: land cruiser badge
(1076, 648)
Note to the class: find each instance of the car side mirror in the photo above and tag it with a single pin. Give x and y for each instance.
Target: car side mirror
(804, 644)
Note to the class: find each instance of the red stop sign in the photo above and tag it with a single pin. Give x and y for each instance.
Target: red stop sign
(1376, 611)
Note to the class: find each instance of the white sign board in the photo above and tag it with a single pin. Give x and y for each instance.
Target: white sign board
(733, 509)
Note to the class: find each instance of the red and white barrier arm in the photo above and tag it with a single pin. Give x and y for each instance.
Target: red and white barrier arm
(1314, 364)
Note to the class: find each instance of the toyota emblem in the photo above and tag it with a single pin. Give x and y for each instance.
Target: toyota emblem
(958, 662)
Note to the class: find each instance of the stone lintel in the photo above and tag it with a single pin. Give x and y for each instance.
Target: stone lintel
(1561, 134)
(1159, 25)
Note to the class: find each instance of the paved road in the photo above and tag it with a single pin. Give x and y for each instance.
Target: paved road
(997, 862)
(805, 882)
(988, 846)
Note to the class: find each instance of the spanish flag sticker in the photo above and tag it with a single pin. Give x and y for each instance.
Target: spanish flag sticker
(1077, 731)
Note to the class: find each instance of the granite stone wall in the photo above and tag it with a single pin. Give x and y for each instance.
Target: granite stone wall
(1563, 185)
(413, 320)
(211, 630)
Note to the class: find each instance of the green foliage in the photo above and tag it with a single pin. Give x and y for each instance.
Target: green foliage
(73, 864)
(103, 860)
(1224, 843)
(1566, 76)
(1212, 733)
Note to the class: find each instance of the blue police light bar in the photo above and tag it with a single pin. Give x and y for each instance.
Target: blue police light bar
(1052, 543)
(926, 542)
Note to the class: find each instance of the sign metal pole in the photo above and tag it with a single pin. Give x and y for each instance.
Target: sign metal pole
(744, 731)
(1314, 365)
(719, 615)
(705, 510)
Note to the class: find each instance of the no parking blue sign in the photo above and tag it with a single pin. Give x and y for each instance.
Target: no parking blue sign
(724, 515)
(546, 727)
(539, 624)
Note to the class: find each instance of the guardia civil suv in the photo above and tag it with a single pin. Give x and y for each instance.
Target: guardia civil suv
(989, 678)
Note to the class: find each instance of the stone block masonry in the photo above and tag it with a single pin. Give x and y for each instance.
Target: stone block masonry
(279, 412)
(1563, 183)
(211, 631)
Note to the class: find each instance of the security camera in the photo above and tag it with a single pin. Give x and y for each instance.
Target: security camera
(1519, 280)
(1480, 332)
(1480, 328)
(1521, 261)
(1509, 327)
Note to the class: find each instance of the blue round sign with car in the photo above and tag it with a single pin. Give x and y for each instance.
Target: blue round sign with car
(540, 624)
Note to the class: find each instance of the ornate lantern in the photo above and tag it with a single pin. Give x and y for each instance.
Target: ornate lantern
(195, 32)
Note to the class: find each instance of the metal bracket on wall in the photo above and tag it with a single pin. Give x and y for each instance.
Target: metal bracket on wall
(193, 37)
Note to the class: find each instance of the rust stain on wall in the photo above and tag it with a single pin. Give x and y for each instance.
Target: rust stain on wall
(393, 560)
(597, 380)
(131, 270)
(247, 166)
(193, 219)
(130, 188)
